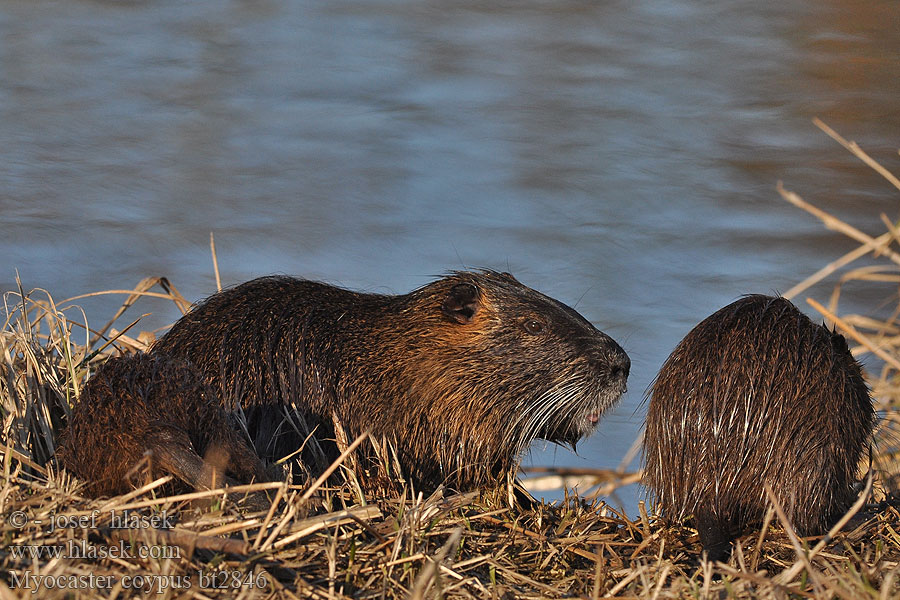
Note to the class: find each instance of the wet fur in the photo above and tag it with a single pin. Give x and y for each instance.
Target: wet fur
(154, 411)
(448, 373)
(756, 393)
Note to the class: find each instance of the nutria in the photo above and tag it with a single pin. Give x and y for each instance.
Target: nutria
(757, 393)
(460, 375)
(153, 410)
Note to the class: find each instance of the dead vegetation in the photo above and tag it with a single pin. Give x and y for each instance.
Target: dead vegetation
(332, 540)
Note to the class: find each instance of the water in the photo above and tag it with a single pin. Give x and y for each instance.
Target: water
(620, 156)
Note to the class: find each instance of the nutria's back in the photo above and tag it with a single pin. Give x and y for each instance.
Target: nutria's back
(462, 374)
(757, 393)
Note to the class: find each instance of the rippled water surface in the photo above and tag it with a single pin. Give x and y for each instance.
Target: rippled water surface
(620, 156)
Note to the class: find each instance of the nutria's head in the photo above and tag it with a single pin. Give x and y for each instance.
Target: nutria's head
(485, 365)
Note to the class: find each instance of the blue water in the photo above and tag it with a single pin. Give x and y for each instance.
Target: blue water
(620, 156)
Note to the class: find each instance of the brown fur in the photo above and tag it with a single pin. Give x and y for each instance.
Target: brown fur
(155, 411)
(756, 393)
(455, 374)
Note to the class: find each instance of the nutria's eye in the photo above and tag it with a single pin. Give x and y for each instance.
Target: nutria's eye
(533, 326)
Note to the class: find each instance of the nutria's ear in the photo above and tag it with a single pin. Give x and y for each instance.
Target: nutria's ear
(461, 303)
(839, 343)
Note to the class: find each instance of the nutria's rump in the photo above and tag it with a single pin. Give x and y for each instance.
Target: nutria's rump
(756, 393)
(461, 374)
(143, 412)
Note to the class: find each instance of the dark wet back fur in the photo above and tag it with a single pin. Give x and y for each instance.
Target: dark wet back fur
(461, 374)
(757, 393)
(157, 410)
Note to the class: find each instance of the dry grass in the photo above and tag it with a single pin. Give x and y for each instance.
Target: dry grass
(336, 541)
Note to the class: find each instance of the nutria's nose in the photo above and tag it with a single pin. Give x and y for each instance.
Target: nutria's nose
(609, 359)
(620, 365)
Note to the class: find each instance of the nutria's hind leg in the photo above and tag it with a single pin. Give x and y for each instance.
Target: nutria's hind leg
(715, 536)
(173, 453)
(240, 460)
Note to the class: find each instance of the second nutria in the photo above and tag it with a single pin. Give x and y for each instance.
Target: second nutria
(756, 393)
(155, 411)
(461, 374)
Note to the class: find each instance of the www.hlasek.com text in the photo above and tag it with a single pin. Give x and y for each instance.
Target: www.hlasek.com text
(82, 549)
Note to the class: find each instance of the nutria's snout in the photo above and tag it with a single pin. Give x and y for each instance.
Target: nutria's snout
(587, 400)
(613, 372)
(611, 363)
(619, 365)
